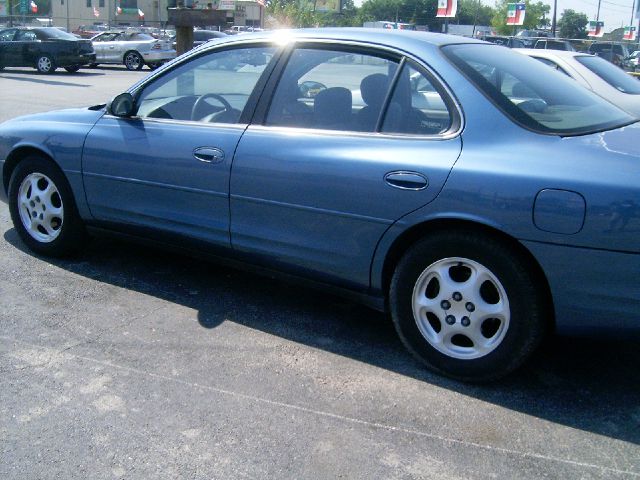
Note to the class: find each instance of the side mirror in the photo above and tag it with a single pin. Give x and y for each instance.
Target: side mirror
(122, 105)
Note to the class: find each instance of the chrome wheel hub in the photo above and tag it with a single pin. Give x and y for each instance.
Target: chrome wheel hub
(40, 207)
(44, 64)
(461, 308)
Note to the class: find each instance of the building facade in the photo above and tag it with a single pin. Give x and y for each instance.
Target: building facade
(71, 14)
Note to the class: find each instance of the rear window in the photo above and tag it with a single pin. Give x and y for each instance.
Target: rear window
(611, 74)
(532, 94)
(52, 32)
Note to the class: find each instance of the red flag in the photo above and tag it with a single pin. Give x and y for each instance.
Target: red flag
(447, 8)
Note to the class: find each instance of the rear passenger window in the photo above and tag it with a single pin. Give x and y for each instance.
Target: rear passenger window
(416, 106)
(332, 90)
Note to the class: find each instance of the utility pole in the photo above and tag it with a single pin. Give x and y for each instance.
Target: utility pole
(553, 21)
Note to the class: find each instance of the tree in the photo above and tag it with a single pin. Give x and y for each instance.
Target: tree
(472, 12)
(536, 16)
(291, 14)
(573, 24)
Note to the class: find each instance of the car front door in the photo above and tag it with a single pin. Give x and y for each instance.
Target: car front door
(100, 46)
(167, 168)
(330, 169)
(9, 51)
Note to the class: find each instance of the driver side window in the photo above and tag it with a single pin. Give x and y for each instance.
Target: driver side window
(213, 88)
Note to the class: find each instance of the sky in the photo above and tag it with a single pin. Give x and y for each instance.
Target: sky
(614, 13)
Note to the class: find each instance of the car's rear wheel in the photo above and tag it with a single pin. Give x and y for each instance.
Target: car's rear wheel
(42, 208)
(467, 305)
(133, 61)
(72, 69)
(45, 64)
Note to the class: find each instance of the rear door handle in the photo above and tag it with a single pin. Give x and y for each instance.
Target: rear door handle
(209, 154)
(406, 180)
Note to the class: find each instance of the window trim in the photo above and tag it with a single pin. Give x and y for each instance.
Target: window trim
(510, 111)
(455, 110)
(249, 108)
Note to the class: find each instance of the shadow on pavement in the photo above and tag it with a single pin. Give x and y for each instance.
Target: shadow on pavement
(591, 384)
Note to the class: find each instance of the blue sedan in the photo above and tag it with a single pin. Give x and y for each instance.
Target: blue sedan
(478, 196)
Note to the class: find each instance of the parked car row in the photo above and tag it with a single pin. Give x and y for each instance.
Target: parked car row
(47, 48)
(473, 193)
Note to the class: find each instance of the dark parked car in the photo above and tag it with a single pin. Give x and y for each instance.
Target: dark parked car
(45, 49)
(616, 53)
(479, 197)
(511, 42)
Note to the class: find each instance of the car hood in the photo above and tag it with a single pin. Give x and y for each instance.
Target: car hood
(88, 115)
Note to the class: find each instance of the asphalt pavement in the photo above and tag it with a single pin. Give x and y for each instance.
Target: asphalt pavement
(131, 362)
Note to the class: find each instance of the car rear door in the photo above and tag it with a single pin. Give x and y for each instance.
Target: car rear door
(316, 182)
(166, 170)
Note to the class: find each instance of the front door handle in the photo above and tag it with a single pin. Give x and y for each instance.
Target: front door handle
(209, 154)
(406, 180)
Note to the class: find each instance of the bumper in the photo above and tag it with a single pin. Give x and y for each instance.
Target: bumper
(3, 194)
(589, 293)
(159, 56)
(84, 59)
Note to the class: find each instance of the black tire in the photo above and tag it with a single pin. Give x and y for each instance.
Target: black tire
(45, 64)
(454, 342)
(133, 60)
(68, 232)
(72, 69)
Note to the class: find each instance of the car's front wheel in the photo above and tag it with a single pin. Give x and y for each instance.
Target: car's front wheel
(45, 64)
(42, 208)
(133, 61)
(467, 305)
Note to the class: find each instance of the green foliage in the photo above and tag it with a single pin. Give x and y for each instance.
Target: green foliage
(573, 24)
(291, 14)
(419, 12)
(536, 16)
(472, 12)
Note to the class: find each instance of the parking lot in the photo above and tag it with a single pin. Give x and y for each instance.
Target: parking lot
(131, 362)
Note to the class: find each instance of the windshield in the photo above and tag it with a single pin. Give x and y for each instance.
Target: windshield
(52, 32)
(611, 74)
(532, 94)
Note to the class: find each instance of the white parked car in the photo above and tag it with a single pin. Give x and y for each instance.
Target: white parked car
(131, 48)
(594, 73)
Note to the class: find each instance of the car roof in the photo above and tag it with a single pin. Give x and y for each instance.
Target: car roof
(403, 39)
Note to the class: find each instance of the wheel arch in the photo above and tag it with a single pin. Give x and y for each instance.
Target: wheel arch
(131, 50)
(16, 156)
(405, 240)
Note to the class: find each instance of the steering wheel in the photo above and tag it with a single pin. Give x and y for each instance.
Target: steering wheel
(535, 105)
(200, 101)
